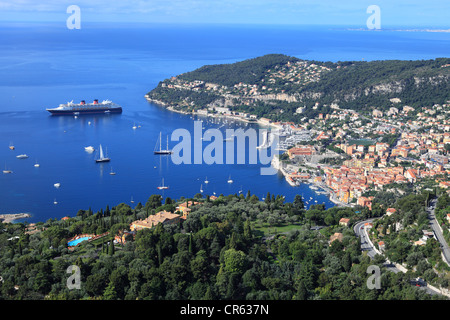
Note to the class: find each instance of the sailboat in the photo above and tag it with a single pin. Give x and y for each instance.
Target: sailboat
(229, 179)
(132, 201)
(161, 151)
(162, 186)
(206, 180)
(6, 170)
(112, 172)
(102, 158)
(134, 127)
(55, 202)
(201, 188)
(11, 146)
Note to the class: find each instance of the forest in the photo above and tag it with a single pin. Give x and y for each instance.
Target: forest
(357, 85)
(232, 247)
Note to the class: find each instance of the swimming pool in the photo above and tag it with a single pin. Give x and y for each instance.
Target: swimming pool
(77, 241)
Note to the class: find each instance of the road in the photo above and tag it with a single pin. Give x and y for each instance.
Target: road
(367, 246)
(437, 230)
(358, 228)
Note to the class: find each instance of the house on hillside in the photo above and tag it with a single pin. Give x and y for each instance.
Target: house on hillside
(344, 222)
(163, 217)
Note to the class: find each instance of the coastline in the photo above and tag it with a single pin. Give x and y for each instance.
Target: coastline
(10, 218)
(212, 115)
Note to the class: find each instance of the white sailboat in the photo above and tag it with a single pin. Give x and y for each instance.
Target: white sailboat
(201, 188)
(6, 170)
(102, 157)
(162, 151)
(132, 201)
(162, 186)
(112, 172)
(37, 165)
(230, 180)
(57, 185)
(206, 180)
(55, 202)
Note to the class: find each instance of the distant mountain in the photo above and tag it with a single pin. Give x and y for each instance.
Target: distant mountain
(276, 85)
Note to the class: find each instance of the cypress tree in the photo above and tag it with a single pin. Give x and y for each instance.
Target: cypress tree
(111, 247)
(267, 200)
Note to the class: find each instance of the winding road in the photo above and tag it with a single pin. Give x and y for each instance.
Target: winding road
(437, 230)
(367, 245)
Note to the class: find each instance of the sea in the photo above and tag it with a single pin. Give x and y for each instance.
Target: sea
(45, 64)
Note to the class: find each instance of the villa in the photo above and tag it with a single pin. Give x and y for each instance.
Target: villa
(163, 217)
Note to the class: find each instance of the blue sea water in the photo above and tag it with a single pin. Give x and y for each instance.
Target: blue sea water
(43, 65)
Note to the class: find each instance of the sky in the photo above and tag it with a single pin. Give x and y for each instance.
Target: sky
(409, 13)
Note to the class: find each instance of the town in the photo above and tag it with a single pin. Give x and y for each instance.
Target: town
(369, 155)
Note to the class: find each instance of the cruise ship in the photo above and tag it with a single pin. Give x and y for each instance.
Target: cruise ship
(70, 108)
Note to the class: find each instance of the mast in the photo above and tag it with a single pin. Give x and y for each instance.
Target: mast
(101, 152)
(160, 141)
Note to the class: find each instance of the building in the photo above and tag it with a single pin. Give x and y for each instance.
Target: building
(377, 113)
(336, 236)
(301, 151)
(365, 202)
(390, 211)
(163, 217)
(344, 222)
(185, 207)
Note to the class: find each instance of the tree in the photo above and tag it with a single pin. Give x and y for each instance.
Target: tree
(298, 202)
(347, 262)
(110, 292)
(111, 248)
(154, 201)
(234, 261)
(302, 292)
(95, 284)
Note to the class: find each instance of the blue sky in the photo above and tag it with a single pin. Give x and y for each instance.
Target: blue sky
(412, 13)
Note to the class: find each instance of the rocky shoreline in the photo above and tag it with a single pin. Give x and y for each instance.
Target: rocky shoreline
(9, 218)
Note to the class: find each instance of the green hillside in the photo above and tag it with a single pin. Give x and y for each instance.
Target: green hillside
(275, 85)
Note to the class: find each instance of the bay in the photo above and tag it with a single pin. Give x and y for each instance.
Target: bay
(43, 65)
